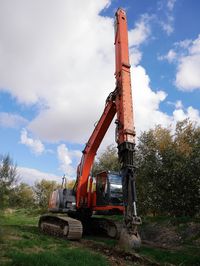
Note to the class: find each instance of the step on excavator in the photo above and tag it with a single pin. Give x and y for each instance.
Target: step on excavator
(71, 210)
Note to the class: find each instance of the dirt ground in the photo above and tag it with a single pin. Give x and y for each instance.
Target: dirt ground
(115, 255)
(169, 235)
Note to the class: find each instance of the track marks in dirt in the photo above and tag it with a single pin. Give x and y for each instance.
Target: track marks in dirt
(115, 255)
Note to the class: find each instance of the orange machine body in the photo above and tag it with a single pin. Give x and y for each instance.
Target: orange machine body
(118, 102)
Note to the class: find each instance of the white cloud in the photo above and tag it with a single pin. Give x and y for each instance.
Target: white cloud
(186, 55)
(170, 56)
(9, 120)
(184, 44)
(170, 4)
(135, 56)
(147, 105)
(167, 27)
(30, 175)
(179, 104)
(195, 47)
(188, 69)
(147, 102)
(168, 23)
(191, 113)
(67, 159)
(63, 58)
(188, 73)
(34, 144)
(137, 36)
(140, 32)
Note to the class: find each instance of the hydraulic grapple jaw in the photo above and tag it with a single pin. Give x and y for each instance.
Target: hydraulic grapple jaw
(129, 236)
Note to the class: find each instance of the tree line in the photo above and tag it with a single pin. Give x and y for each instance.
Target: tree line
(14, 194)
(167, 171)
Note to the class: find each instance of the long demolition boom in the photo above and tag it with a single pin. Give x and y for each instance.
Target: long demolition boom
(119, 102)
(125, 131)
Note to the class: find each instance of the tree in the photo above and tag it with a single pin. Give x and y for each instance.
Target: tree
(186, 169)
(108, 160)
(168, 170)
(22, 196)
(70, 184)
(43, 190)
(148, 172)
(8, 178)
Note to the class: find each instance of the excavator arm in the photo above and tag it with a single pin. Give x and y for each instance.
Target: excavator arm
(87, 160)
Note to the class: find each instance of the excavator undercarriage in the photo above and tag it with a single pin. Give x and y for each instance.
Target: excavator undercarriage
(73, 229)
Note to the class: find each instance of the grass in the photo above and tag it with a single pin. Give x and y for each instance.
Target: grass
(21, 244)
(18, 217)
(61, 257)
(184, 257)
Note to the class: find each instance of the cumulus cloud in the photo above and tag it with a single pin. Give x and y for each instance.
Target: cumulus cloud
(167, 26)
(60, 58)
(170, 4)
(170, 56)
(140, 32)
(186, 56)
(168, 23)
(30, 175)
(188, 74)
(179, 104)
(9, 120)
(137, 36)
(188, 70)
(67, 159)
(35, 145)
(147, 102)
(147, 105)
(191, 113)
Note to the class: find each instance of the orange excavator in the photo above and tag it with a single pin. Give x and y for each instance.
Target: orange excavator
(71, 210)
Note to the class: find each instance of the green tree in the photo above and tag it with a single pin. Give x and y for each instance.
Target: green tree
(8, 179)
(43, 190)
(22, 196)
(186, 170)
(70, 184)
(107, 160)
(168, 170)
(148, 172)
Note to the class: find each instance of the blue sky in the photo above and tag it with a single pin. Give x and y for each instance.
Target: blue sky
(57, 68)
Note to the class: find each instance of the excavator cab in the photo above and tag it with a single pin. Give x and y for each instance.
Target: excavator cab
(109, 189)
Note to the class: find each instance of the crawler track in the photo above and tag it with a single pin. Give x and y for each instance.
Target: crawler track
(58, 225)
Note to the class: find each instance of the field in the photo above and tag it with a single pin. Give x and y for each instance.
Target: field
(21, 244)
